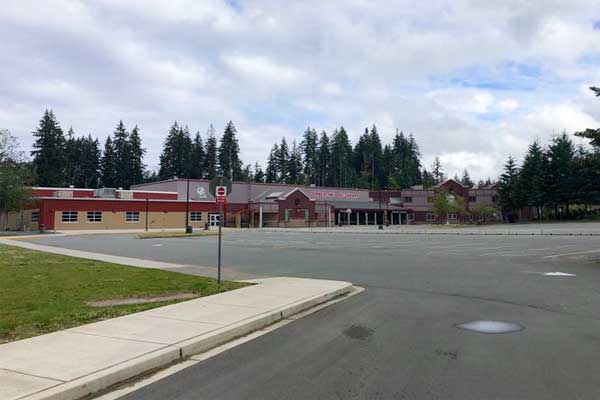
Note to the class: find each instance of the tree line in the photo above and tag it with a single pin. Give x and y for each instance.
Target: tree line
(558, 181)
(321, 160)
(324, 160)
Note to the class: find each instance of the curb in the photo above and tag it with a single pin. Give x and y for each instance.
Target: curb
(453, 233)
(105, 379)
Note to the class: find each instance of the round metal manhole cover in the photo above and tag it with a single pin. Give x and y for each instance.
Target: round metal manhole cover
(486, 326)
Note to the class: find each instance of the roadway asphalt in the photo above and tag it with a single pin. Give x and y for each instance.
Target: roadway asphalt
(398, 340)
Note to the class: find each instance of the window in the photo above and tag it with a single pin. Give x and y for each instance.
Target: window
(472, 199)
(430, 217)
(494, 198)
(69, 216)
(411, 217)
(132, 217)
(408, 199)
(451, 216)
(35, 216)
(196, 216)
(94, 216)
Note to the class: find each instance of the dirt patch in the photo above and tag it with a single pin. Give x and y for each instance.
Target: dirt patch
(142, 300)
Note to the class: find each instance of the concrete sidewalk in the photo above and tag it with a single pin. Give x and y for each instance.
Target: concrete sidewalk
(75, 362)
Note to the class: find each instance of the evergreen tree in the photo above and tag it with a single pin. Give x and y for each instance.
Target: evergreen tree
(88, 171)
(367, 160)
(259, 175)
(136, 158)
(175, 160)
(210, 160)
(508, 188)
(310, 153)
(531, 190)
(559, 174)
(123, 156)
(247, 175)
(48, 153)
(325, 176)
(283, 160)
(72, 158)
(428, 179)
(437, 172)
(230, 164)
(197, 158)
(272, 173)
(108, 164)
(295, 166)
(341, 159)
(466, 180)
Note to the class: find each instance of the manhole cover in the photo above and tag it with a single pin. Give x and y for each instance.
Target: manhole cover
(358, 332)
(485, 326)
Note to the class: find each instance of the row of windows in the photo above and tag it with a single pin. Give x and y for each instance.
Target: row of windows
(96, 216)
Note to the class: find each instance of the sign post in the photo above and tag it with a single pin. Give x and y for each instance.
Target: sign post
(220, 187)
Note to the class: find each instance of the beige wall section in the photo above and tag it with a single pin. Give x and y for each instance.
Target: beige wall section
(117, 220)
(19, 221)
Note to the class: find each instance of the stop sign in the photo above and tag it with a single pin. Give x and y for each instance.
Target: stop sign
(221, 191)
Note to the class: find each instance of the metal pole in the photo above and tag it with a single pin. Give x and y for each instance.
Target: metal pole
(187, 206)
(381, 222)
(146, 212)
(220, 225)
(219, 258)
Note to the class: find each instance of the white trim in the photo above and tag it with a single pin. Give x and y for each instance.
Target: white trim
(295, 190)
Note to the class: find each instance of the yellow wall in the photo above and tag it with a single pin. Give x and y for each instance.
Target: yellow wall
(117, 220)
(18, 221)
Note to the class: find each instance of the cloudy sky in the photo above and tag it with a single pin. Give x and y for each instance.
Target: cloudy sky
(474, 81)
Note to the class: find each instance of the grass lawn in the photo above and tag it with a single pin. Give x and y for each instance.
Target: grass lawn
(160, 235)
(42, 293)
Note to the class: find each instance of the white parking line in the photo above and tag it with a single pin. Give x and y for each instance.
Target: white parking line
(572, 254)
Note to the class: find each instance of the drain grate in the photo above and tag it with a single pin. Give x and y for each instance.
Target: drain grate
(487, 326)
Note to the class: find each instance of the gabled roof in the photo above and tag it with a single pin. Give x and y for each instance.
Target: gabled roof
(298, 190)
(448, 181)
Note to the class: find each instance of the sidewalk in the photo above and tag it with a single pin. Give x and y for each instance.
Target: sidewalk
(75, 362)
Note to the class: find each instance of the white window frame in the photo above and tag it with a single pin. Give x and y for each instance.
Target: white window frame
(94, 215)
(36, 219)
(430, 216)
(452, 217)
(132, 217)
(69, 219)
(196, 216)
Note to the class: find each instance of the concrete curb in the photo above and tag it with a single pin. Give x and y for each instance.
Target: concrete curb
(146, 363)
(388, 232)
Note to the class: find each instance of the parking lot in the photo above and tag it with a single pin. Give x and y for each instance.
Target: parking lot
(419, 287)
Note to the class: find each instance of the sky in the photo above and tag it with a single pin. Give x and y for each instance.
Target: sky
(473, 81)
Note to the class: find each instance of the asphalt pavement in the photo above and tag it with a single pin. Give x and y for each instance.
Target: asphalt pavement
(399, 340)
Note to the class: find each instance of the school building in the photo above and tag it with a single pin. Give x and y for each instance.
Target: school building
(165, 204)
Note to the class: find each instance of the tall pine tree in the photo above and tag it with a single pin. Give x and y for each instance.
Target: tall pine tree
(325, 176)
(230, 164)
(48, 153)
(507, 190)
(136, 158)
(295, 166)
(175, 160)
(341, 159)
(197, 158)
(210, 159)
(108, 165)
(310, 156)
